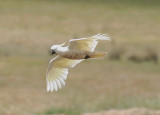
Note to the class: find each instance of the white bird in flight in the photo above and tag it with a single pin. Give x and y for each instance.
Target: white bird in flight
(68, 57)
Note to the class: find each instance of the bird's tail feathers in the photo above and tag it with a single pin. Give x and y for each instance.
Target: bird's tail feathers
(98, 55)
(102, 37)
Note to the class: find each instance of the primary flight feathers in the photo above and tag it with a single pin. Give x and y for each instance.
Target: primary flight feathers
(68, 57)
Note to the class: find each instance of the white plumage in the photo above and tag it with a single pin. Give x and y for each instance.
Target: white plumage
(68, 57)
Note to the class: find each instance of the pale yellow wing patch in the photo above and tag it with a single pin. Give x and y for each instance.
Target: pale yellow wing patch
(89, 43)
(58, 71)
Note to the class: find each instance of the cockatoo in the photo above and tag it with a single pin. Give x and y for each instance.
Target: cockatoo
(68, 57)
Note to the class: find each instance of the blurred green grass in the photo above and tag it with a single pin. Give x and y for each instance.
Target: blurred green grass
(29, 28)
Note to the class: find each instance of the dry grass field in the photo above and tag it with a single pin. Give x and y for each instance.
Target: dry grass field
(29, 27)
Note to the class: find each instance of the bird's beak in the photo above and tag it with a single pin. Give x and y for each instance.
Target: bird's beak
(53, 52)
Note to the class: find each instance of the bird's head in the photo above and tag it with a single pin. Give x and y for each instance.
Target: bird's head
(55, 47)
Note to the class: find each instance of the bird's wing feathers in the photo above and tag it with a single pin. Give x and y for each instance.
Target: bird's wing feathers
(87, 43)
(58, 71)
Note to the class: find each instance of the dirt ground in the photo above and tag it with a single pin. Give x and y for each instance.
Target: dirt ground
(133, 111)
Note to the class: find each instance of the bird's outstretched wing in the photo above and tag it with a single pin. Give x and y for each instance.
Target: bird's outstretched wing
(89, 43)
(58, 71)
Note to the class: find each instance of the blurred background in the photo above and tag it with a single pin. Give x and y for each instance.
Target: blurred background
(129, 77)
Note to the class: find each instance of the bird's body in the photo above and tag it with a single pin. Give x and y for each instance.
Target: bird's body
(68, 57)
(71, 53)
(74, 54)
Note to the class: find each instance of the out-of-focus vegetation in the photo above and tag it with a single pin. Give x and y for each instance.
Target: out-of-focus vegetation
(29, 28)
